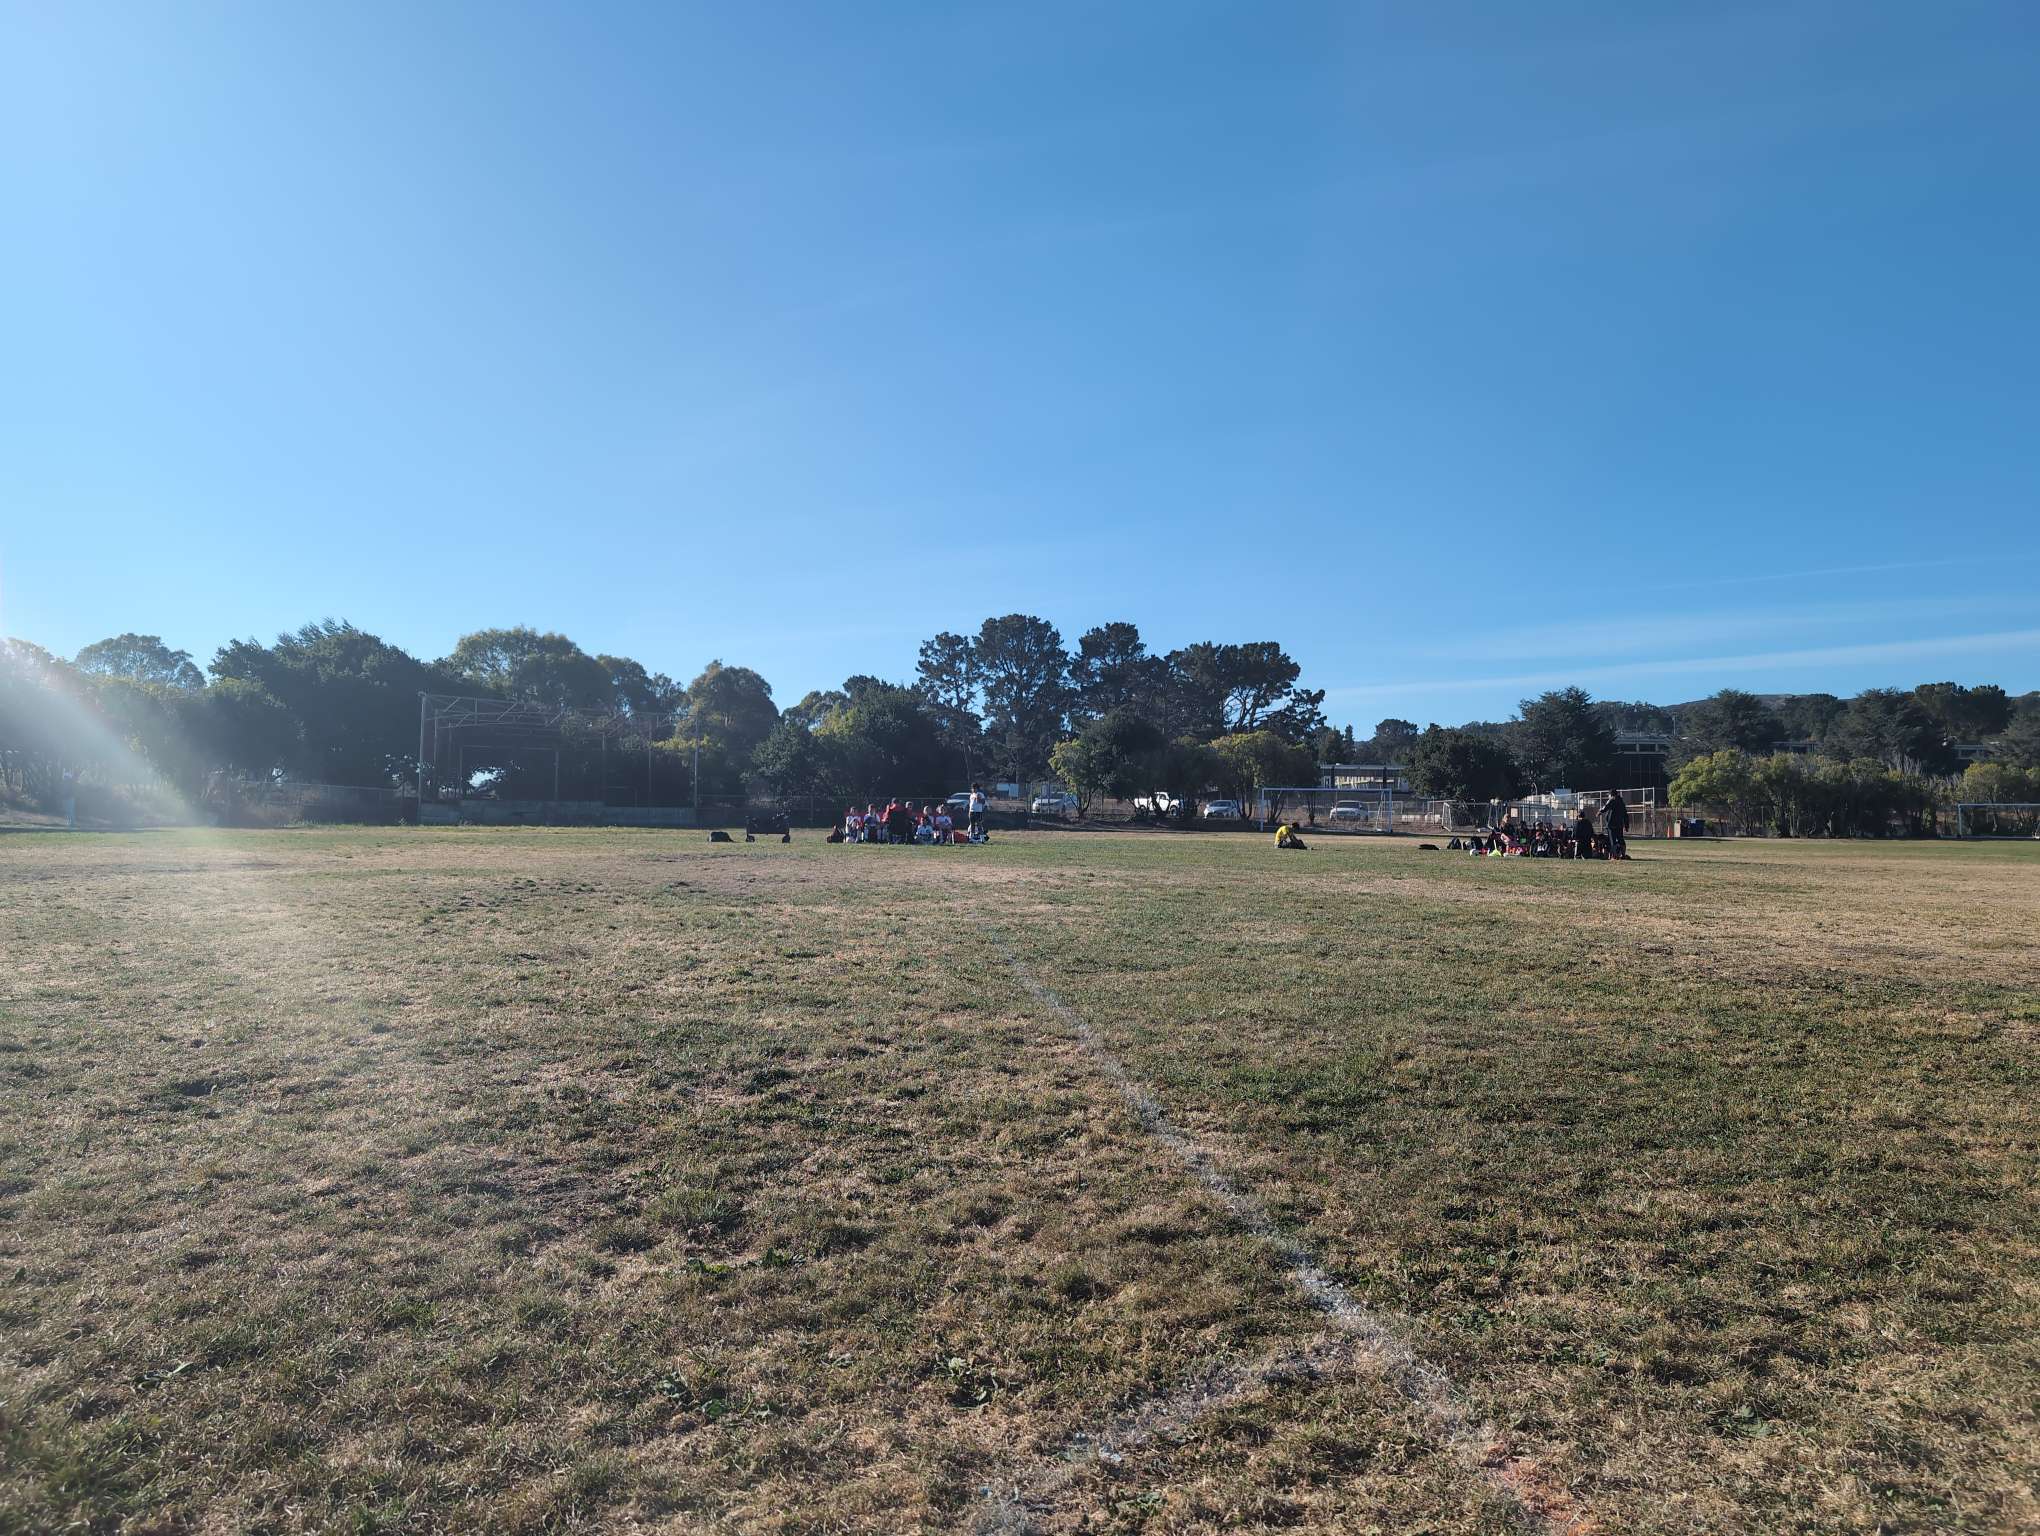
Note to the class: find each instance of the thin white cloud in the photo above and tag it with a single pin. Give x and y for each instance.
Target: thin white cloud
(1812, 575)
(1758, 661)
(1621, 635)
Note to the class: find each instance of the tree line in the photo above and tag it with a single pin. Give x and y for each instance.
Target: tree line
(1564, 738)
(1011, 702)
(1884, 759)
(1107, 717)
(332, 704)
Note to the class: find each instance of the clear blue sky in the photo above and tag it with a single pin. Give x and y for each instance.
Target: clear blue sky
(1464, 349)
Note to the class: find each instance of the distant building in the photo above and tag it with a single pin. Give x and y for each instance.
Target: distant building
(1370, 777)
(1642, 748)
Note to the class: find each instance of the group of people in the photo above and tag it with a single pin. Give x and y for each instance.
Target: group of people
(901, 822)
(1513, 840)
(1577, 841)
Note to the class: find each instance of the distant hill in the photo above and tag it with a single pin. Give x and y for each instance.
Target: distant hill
(1771, 701)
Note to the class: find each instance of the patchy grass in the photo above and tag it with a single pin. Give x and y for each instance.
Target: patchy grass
(538, 1181)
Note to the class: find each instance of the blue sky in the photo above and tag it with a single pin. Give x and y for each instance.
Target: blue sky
(1466, 350)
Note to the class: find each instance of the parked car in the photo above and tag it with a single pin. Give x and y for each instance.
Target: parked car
(1222, 810)
(1053, 805)
(1159, 803)
(960, 801)
(1349, 810)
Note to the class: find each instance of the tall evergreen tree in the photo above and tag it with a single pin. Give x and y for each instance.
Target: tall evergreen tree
(1562, 742)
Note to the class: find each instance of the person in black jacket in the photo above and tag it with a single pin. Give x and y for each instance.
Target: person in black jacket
(1617, 818)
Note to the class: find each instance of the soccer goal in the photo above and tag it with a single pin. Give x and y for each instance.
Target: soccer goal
(1998, 818)
(511, 760)
(1334, 810)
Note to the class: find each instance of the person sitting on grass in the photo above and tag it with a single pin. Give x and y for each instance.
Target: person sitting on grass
(924, 825)
(1285, 837)
(853, 825)
(945, 825)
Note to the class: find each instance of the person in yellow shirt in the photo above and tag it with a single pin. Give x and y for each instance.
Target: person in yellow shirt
(1285, 837)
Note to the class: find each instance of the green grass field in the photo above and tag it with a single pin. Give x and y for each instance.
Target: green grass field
(568, 1180)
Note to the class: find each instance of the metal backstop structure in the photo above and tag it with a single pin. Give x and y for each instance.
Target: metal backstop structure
(514, 760)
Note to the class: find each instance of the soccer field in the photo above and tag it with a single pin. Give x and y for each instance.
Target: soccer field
(541, 1180)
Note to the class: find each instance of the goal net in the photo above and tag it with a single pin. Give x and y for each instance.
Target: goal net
(1998, 818)
(1333, 810)
(543, 761)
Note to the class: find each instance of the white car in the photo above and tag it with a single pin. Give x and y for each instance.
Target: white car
(1053, 805)
(1349, 810)
(1221, 810)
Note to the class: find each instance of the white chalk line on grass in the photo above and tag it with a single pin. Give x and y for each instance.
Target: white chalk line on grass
(1377, 1343)
(1011, 1510)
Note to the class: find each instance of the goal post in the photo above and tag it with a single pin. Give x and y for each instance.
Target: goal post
(1335, 810)
(1997, 819)
(485, 757)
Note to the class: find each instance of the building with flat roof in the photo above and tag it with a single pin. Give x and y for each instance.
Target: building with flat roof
(1642, 746)
(1372, 777)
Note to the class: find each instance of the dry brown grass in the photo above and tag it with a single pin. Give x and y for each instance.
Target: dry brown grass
(540, 1181)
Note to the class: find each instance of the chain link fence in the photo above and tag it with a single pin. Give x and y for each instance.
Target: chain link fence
(245, 803)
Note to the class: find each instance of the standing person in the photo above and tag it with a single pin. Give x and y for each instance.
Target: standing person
(1616, 818)
(1583, 831)
(977, 812)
